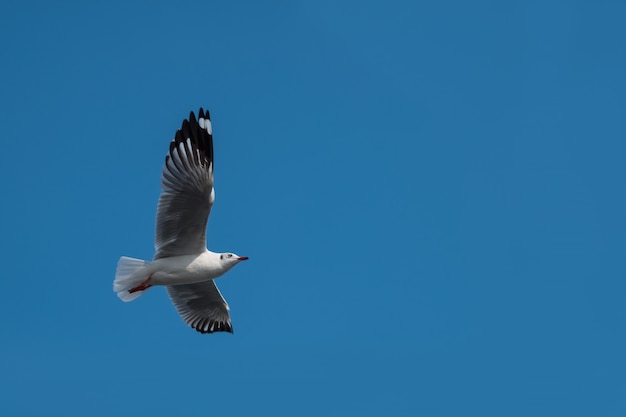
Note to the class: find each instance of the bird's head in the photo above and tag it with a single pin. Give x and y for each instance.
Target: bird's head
(229, 260)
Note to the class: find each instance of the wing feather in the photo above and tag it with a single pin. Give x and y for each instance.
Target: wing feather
(201, 306)
(187, 190)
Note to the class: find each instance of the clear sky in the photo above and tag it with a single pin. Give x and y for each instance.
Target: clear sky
(431, 194)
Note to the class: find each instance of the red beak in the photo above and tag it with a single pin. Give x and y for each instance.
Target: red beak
(242, 258)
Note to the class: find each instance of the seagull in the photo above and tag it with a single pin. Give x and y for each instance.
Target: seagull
(182, 263)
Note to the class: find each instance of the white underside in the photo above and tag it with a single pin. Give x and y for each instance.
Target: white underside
(175, 270)
(186, 269)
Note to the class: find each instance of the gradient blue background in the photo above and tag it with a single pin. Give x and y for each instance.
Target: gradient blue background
(431, 195)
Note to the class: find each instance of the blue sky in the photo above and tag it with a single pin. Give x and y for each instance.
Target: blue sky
(431, 195)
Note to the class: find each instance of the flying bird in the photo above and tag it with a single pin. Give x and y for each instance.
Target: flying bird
(182, 263)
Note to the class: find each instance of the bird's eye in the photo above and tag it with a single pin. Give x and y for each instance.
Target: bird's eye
(230, 255)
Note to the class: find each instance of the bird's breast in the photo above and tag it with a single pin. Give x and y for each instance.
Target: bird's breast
(186, 269)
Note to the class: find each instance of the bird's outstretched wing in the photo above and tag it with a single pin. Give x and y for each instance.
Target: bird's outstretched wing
(202, 306)
(187, 190)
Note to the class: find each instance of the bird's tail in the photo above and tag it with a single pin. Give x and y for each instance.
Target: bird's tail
(130, 273)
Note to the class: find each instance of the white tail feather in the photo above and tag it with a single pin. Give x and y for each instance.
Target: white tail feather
(128, 275)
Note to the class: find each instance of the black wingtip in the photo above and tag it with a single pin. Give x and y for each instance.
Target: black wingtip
(210, 326)
(203, 114)
(200, 138)
(187, 129)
